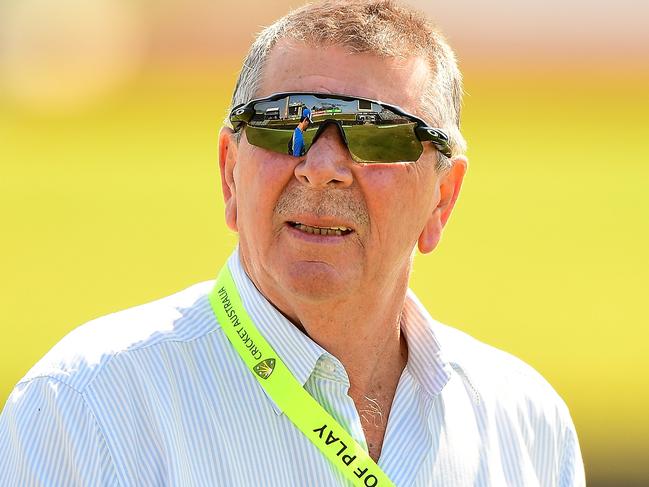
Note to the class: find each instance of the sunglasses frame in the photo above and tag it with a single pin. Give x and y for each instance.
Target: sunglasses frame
(241, 114)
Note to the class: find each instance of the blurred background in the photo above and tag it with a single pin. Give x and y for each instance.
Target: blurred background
(110, 195)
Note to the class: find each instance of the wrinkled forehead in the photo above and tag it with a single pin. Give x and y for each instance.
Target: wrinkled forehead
(300, 67)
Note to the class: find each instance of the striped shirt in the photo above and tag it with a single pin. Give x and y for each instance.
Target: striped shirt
(156, 395)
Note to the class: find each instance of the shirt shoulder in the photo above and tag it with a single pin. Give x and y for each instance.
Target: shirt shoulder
(531, 421)
(86, 351)
(498, 377)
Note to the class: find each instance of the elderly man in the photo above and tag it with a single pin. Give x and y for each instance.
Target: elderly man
(308, 362)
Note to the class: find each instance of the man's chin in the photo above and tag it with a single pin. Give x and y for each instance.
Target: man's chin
(317, 281)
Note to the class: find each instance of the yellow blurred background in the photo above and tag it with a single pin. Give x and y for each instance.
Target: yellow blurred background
(110, 196)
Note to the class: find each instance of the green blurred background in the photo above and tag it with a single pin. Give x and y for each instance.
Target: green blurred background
(110, 196)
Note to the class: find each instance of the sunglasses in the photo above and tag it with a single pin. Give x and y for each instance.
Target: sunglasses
(373, 131)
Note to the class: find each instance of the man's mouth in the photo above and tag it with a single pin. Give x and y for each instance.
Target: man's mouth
(328, 231)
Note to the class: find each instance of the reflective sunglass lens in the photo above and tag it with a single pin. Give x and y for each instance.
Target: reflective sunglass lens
(272, 139)
(389, 143)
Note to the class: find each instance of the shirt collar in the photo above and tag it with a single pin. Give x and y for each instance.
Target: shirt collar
(298, 352)
(426, 361)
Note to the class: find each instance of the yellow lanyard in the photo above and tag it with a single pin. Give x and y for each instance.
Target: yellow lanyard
(277, 380)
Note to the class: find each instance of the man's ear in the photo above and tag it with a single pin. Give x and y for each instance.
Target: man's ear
(227, 161)
(449, 183)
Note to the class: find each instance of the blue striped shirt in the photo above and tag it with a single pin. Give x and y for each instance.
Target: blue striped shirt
(156, 395)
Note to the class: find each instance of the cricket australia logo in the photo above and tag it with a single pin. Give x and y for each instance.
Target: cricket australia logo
(264, 368)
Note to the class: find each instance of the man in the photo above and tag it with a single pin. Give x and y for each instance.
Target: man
(310, 360)
(296, 143)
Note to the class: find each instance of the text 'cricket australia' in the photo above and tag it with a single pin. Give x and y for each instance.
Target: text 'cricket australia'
(234, 319)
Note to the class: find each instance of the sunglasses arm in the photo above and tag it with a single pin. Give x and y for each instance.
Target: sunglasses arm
(439, 139)
(241, 114)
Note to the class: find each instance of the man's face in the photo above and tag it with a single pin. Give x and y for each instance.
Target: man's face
(389, 207)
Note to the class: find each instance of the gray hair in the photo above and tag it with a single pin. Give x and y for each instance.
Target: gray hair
(380, 27)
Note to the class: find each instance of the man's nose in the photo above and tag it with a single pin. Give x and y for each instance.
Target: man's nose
(327, 163)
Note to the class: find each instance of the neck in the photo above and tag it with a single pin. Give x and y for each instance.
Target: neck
(366, 339)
